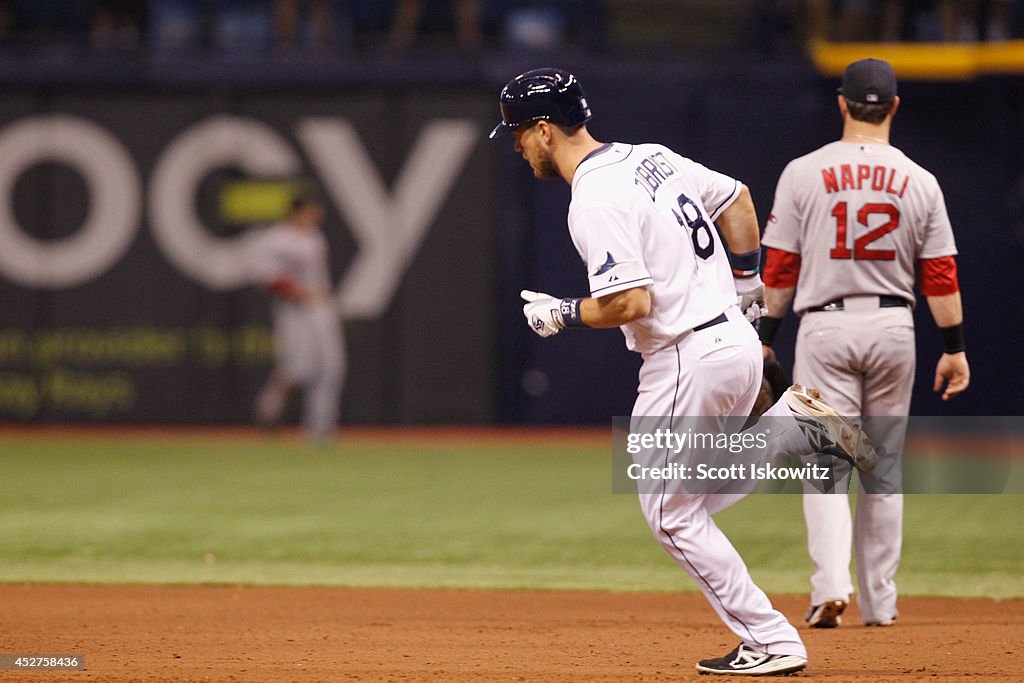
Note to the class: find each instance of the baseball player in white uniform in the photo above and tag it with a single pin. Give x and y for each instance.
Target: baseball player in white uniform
(291, 260)
(852, 223)
(642, 218)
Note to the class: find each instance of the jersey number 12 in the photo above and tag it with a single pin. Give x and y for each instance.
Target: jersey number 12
(861, 252)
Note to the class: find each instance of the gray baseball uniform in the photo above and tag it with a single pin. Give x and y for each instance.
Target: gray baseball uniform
(860, 216)
(310, 347)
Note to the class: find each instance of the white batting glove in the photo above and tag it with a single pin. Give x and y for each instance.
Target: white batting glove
(750, 298)
(542, 314)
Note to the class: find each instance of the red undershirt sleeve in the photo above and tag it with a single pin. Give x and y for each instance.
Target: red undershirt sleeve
(937, 276)
(781, 268)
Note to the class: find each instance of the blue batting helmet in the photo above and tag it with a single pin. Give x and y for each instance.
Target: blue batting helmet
(542, 95)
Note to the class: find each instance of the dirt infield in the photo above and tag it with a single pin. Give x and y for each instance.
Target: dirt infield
(318, 634)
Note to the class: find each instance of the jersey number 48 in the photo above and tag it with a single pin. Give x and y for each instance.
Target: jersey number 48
(861, 252)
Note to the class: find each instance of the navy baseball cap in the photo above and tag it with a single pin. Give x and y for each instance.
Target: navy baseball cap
(542, 95)
(869, 81)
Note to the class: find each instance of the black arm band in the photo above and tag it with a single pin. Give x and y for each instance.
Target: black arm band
(745, 266)
(767, 328)
(570, 310)
(953, 338)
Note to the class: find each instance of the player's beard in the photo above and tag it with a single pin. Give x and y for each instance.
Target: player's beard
(545, 167)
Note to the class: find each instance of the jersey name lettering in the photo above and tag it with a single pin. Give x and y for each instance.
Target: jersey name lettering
(652, 172)
(863, 176)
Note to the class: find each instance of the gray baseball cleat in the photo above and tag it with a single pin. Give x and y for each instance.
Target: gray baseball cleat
(829, 432)
(828, 614)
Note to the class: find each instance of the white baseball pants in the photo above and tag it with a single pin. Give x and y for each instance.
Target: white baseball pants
(712, 372)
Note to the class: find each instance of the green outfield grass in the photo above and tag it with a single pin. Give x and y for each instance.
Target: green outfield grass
(396, 512)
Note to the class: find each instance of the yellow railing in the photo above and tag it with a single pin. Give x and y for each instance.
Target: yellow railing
(939, 61)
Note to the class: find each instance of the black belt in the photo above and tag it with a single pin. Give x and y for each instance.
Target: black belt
(711, 323)
(884, 301)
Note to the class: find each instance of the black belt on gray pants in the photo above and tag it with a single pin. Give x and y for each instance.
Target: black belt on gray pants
(711, 323)
(884, 301)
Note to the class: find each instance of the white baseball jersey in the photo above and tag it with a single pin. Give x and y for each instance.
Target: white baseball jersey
(300, 255)
(642, 215)
(860, 216)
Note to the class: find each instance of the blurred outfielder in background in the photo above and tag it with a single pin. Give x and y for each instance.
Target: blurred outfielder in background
(290, 261)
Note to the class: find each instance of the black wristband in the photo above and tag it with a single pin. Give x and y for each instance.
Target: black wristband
(570, 310)
(767, 328)
(745, 266)
(953, 338)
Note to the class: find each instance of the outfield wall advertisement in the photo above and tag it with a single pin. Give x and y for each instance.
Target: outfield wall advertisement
(127, 292)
